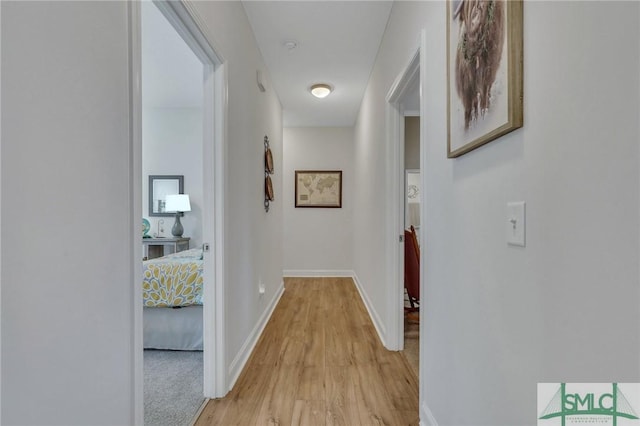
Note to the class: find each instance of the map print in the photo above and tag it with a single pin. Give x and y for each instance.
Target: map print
(318, 189)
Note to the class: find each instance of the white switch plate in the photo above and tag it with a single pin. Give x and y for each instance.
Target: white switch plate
(516, 223)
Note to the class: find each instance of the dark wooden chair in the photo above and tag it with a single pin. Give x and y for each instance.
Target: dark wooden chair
(412, 268)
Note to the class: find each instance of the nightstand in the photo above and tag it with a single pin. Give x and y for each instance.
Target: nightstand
(158, 247)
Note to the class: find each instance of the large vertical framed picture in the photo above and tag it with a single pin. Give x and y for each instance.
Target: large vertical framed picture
(318, 188)
(484, 72)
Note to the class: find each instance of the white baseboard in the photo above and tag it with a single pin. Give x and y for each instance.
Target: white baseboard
(247, 348)
(375, 317)
(317, 273)
(426, 416)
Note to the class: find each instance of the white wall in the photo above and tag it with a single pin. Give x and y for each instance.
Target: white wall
(499, 319)
(172, 145)
(253, 237)
(318, 240)
(412, 142)
(398, 46)
(67, 258)
(67, 337)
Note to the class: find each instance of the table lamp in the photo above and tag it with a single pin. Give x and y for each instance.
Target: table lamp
(177, 203)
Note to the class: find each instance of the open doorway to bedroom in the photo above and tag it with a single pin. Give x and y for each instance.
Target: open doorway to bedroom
(404, 122)
(181, 179)
(411, 207)
(172, 172)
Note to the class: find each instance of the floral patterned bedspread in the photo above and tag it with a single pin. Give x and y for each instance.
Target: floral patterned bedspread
(173, 280)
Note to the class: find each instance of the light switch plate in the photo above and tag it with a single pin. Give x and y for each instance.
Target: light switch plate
(516, 223)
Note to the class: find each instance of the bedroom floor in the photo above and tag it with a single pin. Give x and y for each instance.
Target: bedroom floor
(412, 342)
(172, 387)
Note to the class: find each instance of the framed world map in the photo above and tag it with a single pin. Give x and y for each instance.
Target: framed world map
(318, 188)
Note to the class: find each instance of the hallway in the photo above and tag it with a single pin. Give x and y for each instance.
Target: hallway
(319, 362)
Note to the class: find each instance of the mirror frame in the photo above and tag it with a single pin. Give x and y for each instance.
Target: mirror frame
(179, 179)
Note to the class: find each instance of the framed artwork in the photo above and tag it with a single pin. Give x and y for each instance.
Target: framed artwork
(318, 188)
(484, 72)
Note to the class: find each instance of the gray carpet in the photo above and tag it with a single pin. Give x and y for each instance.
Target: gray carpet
(172, 387)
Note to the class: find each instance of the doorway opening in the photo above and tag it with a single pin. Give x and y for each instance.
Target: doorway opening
(412, 207)
(405, 163)
(172, 145)
(178, 133)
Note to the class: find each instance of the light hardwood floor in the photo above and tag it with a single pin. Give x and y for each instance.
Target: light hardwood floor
(319, 361)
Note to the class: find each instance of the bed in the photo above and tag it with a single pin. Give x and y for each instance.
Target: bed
(172, 298)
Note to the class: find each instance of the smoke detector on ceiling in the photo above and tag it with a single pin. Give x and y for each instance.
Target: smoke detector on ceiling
(290, 45)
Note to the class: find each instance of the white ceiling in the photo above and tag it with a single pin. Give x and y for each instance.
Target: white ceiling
(337, 43)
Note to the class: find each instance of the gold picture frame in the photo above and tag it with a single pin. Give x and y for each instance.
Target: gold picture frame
(318, 188)
(484, 72)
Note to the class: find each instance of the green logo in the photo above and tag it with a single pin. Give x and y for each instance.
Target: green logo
(588, 403)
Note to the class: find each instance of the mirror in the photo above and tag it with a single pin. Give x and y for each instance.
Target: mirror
(161, 186)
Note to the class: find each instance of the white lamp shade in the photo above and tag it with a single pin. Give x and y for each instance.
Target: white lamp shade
(177, 203)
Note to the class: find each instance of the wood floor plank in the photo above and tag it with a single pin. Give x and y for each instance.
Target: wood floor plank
(339, 350)
(243, 402)
(319, 361)
(240, 412)
(252, 385)
(308, 413)
(341, 397)
(401, 386)
(215, 411)
(372, 399)
(277, 404)
(314, 330)
(312, 383)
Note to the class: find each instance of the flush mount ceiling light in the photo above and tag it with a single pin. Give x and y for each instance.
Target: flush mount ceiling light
(321, 90)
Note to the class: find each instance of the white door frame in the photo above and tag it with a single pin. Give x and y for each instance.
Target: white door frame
(0, 223)
(183, 17)
(395, 210)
